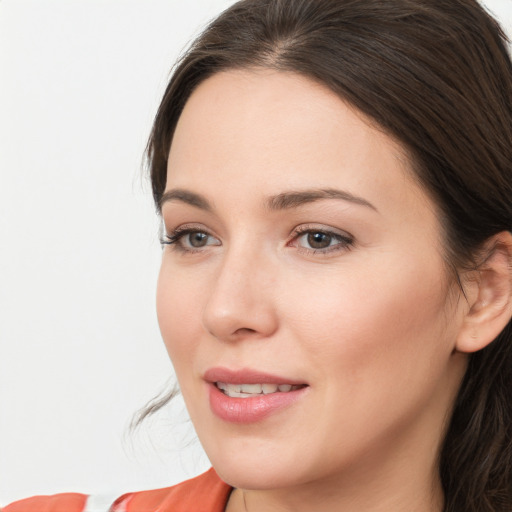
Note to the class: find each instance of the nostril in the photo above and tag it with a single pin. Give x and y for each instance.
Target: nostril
(245, 330)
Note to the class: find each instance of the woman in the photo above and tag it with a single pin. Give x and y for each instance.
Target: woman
(333, 178)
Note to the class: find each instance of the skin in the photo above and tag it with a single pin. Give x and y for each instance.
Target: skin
(371, 326)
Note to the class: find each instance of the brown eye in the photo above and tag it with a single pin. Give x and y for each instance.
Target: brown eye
(322, 242)
(197, 239)
(319, 240)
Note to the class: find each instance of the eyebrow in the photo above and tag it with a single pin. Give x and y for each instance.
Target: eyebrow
(294, 199)
(283, 201)
(187, 197)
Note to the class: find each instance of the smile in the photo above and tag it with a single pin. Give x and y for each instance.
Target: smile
(247, 395)
(250, 390)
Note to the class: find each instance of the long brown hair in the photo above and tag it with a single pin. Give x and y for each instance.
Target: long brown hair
(436, 75)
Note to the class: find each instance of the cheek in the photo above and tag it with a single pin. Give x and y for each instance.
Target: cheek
(370, 325)
(178, 314)
(379, 349)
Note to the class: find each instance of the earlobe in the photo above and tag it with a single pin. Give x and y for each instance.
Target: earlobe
(490, 308)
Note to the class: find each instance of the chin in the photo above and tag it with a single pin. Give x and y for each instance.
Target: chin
(251, 477)
(259, 466)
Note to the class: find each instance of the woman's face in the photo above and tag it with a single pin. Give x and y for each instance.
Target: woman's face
(306, 266)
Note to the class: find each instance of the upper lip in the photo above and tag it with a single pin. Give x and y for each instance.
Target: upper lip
(247, 376)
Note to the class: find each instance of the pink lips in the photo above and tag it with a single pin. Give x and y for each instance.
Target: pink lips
(252, 409)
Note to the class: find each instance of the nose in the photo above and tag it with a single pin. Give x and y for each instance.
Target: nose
(241, 300)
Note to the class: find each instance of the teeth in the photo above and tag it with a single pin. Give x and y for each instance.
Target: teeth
(269, 388)
(248, 390)
(253, 389)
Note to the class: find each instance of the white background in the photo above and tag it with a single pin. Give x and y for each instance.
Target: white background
(80, 350)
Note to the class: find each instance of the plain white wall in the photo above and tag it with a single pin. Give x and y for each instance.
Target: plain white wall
(80, 349)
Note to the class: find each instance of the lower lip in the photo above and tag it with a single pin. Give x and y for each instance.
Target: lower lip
(253, 409)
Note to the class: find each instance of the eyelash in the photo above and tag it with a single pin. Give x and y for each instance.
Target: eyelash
(345, 241)
(175, 238)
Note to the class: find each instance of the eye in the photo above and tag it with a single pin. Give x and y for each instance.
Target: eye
(317, 240)
(321, 240)
(195, 239)
(190, 239)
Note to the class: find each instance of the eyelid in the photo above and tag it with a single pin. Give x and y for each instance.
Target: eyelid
(321, 228)
(182, 228)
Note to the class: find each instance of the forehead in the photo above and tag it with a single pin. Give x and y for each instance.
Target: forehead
(266, 130)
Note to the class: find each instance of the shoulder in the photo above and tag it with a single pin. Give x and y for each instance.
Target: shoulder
(69, 502)
(205, 493)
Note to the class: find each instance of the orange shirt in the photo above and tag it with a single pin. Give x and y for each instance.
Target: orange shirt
(205, 493)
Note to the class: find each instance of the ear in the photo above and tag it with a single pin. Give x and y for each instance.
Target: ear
(489, 295)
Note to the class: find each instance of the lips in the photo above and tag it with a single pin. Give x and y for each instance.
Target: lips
(247, 396)
(247, 376)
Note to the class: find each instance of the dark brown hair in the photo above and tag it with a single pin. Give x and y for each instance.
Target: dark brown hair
(436, 75)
